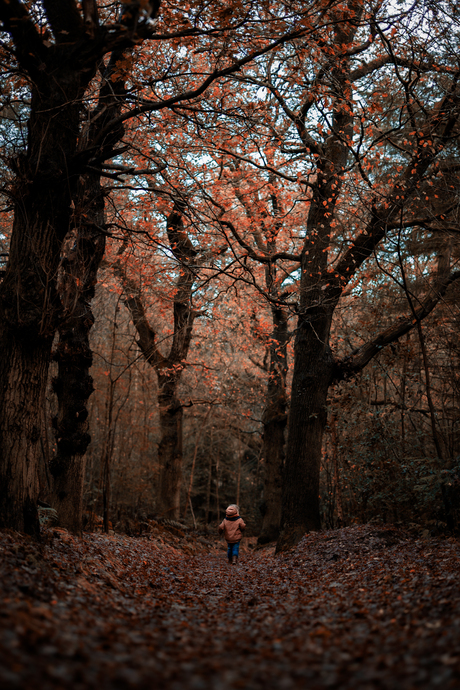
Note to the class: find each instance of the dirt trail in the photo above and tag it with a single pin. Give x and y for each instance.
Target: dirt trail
(355, 608)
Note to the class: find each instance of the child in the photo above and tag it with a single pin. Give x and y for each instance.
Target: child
(232, 526)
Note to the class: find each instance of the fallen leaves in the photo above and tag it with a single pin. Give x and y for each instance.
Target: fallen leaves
(360, 607)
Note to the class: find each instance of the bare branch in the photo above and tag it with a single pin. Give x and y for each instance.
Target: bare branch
(354, 363)
(147, 336)
(262, 258)
(194, 93)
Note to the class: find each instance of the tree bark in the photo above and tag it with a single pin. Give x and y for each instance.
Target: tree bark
(274, 424)
(78, 277)
(45, 179)
(29, 304)
(74, 384)
(313, 365)
(170, 447)
(23, 375)
(274, 417)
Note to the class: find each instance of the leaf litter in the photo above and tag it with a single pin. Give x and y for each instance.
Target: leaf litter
(360, 607)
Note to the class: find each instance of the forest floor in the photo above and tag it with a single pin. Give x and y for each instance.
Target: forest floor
(357, 608)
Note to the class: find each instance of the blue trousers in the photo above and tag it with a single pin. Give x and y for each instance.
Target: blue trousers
(233, 550)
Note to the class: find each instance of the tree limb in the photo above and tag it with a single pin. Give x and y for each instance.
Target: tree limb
(216, 74)
(65, 19)
(30, 49)
(357, 360)
(147, 335)
(444, 116)
(262, 258)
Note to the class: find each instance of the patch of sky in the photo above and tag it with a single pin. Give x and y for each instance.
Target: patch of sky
(291, 279)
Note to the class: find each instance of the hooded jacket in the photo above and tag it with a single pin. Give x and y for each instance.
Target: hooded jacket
(232, 528)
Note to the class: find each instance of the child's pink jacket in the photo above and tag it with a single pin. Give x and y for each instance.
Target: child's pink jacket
(232, 528)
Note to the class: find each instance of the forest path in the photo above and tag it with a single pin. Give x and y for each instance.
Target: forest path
(354, 608)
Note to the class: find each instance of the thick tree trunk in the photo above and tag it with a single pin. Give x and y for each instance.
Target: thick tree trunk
(74, 384)
(23, 375)
(311, 378)
(313, 365)
(274, 457)
(274, 421)
(313, 362)
(29, 308)
(86, 246)
(170, 447)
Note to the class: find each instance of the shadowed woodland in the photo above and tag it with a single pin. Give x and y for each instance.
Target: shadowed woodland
(229, 273)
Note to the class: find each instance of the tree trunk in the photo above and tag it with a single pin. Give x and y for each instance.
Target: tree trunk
(74, 384)
(29, 303)
(79, 268)
(274, 421)
(170, 447)
(23, 376)
(335, 462)
(313, 362)
(44, 185)
(169, 369)
(313, 365)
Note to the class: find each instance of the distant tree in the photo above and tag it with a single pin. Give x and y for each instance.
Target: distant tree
(168, 367)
